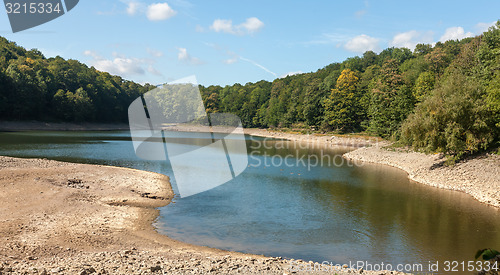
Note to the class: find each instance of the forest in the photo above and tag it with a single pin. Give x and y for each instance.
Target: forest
(436, 98)
(33, 87)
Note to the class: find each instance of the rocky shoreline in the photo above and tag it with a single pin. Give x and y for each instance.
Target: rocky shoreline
(478, 177)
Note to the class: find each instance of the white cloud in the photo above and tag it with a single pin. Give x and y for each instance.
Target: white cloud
(91, 53)
(133, 7)
(221, 25)
(121, 65)
(183, 55)
(362, 43)
(411, 38)
(154, 53)
(291, 73)
(455, 33)
(482, 27)
(159, 12)
(154, 71)
(251, 25)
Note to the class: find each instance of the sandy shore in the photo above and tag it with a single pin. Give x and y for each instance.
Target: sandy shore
(63, 218)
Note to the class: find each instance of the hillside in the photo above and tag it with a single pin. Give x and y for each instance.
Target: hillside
(34, 87)
(442, 98)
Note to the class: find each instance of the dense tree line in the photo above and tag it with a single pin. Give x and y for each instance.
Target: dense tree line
(443, 97)
(33, 87)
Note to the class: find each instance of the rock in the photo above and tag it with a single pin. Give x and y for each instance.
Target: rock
(57, 269)
(156, 268)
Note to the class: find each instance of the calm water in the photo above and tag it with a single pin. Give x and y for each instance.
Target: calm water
(335, 212)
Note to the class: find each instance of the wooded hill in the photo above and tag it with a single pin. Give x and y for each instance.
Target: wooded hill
(35, 88)
(444, 97)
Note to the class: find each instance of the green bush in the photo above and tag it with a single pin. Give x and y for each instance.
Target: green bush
(455, 119)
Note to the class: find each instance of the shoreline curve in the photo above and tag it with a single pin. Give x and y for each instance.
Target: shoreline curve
(65, 218)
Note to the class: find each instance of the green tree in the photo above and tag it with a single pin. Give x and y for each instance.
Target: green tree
(391, 101)
(454, 120)
(422, 49)
(493, 101)
(313, 110)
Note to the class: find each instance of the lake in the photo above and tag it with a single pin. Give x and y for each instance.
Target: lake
(336, 212)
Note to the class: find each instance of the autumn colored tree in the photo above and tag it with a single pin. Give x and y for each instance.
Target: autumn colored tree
(424, 85)
(212, 103)
(342, 107)
(438, 60)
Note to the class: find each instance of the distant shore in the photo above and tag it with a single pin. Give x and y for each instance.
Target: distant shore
(7, 126)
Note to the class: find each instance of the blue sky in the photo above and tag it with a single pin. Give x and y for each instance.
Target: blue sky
(227, 42)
